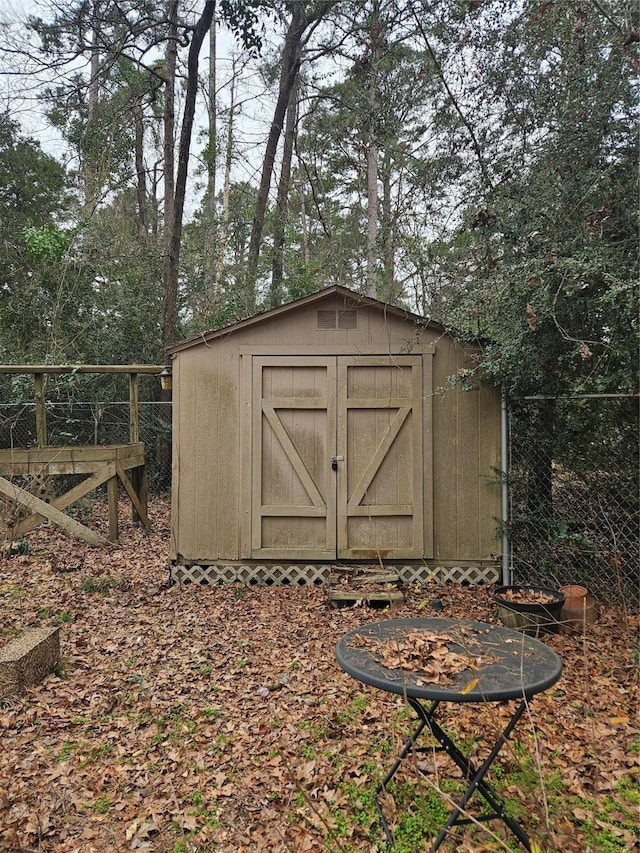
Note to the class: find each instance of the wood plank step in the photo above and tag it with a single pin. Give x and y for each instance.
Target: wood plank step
(348, 597)
(362, 580)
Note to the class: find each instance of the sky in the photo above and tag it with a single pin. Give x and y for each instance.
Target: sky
(19, 93)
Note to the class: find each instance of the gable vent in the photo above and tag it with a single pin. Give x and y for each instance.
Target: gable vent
(342, 320)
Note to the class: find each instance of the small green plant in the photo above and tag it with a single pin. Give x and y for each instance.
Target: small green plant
(421, 815)
(66, 751)
(362, 804)
(222, 741)
(212, 713)
(628, 789)
(59, 669)
(174, 728)
(350, 714)
(207, 814)
(95, 754)
(12, 590)
(308, 751)
(319, 731)
(102, 805)
(382, 746)
(98, 583)
(360, 810)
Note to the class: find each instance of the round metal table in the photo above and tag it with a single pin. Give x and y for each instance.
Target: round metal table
(434, 661)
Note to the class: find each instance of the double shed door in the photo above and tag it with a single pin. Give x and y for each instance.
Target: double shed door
(336, 464)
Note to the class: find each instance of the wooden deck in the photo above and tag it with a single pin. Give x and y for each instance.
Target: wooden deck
(98, 464)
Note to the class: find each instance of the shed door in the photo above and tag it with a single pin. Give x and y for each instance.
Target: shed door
(380, 479)
(337, 457)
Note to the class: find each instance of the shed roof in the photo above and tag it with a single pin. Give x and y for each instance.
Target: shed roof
(333, 290)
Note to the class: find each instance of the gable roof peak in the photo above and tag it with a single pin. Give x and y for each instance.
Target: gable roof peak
(354, 298)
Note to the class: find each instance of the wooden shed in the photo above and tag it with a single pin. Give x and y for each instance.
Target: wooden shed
(325, 432)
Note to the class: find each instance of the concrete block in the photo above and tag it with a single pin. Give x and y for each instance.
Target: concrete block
(26, 659)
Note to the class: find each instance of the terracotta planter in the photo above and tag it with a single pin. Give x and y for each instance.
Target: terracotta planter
(579, 608)
(531, 617)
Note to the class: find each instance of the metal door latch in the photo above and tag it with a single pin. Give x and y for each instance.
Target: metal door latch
(335, 460)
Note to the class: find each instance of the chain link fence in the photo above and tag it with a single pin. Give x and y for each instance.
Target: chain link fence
(573, 480)
(573, 484)
(96, 423)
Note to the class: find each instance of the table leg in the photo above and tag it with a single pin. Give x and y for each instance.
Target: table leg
(408, 747)
(475, 775)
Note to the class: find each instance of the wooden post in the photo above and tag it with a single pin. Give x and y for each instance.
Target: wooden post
(41, 411)
(134, 496)
(143, 491)
(134, 436)
(134, 413)
(112, 495)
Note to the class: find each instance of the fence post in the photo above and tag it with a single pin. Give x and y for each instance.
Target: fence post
(138, 475)
(504, 464)
(41, 410)
(134, 417)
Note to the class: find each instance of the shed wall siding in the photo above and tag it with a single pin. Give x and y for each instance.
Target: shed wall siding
(213, 440)
(206, 454)
(466, 454)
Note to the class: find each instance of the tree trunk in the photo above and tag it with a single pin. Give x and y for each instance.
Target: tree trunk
(94, 65)
(212, 150)
(376, 48)
(372, 215)
(304, 228)
(89, 171)
(209, 252)
(169, 122)
(173, 259)
(387, 230)
(280, 219)
(141, 178)
(289, 66)
(226, 193)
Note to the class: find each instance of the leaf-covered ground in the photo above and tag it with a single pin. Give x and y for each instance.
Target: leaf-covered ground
(215, 718)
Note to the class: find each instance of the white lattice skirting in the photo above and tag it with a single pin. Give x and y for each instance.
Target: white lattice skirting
(318, 574)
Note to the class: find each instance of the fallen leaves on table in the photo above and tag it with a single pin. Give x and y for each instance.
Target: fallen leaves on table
(427, 654)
